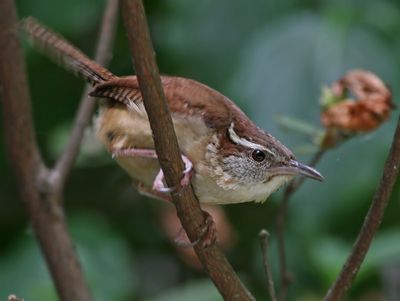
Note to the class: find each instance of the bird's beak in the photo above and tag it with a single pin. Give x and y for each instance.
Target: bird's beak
(297, 168)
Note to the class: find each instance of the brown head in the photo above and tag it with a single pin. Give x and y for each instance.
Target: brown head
(252, 162)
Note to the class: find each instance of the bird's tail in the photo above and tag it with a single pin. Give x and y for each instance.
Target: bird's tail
(64, 53)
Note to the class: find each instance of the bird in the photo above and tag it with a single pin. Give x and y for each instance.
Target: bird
(228, 159)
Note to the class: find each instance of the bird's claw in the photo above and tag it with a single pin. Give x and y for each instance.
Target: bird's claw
(158, 184)
(207, 237)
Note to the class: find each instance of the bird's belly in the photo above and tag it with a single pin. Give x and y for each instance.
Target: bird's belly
(143, 170)
(119, 129)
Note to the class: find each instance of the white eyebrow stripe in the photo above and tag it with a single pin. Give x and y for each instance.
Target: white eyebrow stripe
(244, 142)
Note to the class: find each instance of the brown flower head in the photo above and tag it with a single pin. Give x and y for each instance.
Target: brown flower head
(370, 107)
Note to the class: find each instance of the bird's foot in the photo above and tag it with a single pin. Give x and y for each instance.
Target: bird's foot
(207, 237)
(149, 192)
(158, 184)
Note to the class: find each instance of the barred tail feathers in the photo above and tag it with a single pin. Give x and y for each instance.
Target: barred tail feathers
(64, 53)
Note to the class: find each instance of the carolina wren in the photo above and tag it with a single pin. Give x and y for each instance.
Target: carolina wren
(233, 160)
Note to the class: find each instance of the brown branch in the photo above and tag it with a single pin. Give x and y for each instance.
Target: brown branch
(16, 100)
(371, 222)
(264, 235)
(47, 218)
(43, 201)
(293, 186)
(87, 105)
(188, 209)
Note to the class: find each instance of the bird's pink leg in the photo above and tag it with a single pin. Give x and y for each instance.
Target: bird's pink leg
(158, 184)
(209, 232)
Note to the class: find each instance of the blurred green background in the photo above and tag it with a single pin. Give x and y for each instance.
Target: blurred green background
(272, 58)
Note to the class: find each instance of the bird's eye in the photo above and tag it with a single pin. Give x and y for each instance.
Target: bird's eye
(258, 155)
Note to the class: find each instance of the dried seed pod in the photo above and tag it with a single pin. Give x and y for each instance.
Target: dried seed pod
(370, 107)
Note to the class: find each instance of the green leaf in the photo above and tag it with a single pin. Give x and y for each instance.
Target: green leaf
(328, 99)
(105, 258)
(329, 255)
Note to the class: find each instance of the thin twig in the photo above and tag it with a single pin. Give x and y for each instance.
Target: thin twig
(371, 222)
(188, 209)
(293, 186)
(264, 235)
(87, 105)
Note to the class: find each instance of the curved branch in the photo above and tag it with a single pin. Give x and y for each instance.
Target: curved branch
(19, 131)
(42, 201)
(87, 106)
(46, 216)
(166, 145)
(371, 222)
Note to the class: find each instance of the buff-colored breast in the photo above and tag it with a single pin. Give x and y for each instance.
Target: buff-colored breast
(119, 128)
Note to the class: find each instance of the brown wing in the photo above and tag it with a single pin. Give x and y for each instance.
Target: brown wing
(184, 96)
